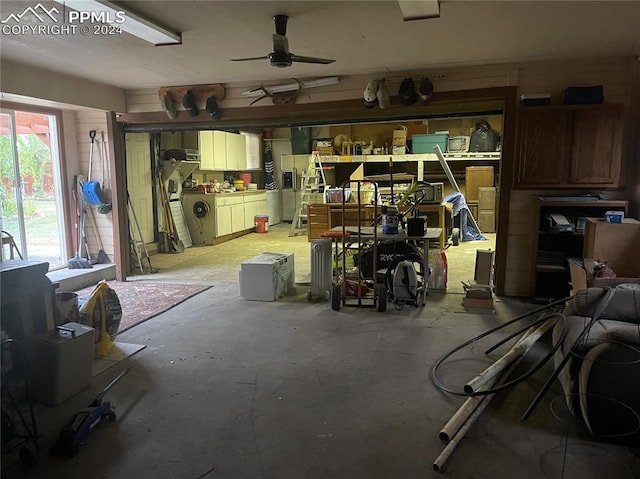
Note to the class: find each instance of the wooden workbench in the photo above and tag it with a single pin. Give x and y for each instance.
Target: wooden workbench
(324, 216)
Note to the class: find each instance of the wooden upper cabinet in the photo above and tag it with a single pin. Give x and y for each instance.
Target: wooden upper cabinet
(597, 145)
(569, 146)
(544, 146)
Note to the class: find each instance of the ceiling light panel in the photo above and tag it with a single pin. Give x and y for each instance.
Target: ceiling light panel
(419, 9)
(133, 23)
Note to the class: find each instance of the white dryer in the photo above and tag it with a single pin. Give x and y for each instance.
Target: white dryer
(199, 215)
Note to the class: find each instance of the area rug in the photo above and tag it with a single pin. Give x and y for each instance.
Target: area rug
(141, 300)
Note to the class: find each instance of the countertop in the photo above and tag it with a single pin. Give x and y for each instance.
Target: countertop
(196, 192)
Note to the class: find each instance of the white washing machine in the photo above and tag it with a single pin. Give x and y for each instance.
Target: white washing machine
(199, 215)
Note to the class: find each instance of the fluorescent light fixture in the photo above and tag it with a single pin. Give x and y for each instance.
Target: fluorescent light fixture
(291, 87)
(110, 12)
(419, 9)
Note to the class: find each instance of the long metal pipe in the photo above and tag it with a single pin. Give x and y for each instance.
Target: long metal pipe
(463, 413)
(516, 351)
(473, 414)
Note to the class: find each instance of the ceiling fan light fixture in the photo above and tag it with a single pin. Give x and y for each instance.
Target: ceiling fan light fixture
(419, 9)
(281, 57)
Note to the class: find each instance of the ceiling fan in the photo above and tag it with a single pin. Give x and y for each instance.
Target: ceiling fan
(281, 56)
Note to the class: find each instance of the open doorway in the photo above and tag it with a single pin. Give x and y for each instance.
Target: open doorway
(30, 183)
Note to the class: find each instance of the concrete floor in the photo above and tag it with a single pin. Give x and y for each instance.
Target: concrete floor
(229, 388)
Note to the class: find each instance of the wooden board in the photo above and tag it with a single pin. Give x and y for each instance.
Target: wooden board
(201, 92)
(181, 226)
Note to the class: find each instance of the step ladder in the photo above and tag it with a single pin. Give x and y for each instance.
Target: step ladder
(313, 182)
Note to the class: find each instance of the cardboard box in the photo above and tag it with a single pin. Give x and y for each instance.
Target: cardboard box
(614, 216)
(582, 279)
(617, 244)
(478, 303)
(399, 138)
(485, 260)
(478, 293)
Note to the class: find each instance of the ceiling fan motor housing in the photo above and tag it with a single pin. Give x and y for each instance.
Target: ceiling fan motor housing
(280, 59)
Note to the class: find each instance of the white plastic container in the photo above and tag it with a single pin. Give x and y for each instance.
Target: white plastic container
(61, 363)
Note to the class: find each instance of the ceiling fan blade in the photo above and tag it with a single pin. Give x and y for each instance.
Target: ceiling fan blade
(280, 43)
(301, 59)
(249, 59)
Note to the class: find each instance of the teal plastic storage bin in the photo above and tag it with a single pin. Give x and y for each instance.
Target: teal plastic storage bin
(425, 143)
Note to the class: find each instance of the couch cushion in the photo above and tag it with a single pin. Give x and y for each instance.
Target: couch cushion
(623, 306)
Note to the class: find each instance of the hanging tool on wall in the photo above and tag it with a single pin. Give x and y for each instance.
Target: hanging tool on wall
(91, 189)
(102, 257)
(104, 207)
(78, 261)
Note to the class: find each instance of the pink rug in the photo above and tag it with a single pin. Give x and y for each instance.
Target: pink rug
(141, 300)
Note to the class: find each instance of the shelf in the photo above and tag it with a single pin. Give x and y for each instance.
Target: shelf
(563, 235)
(430, 157)
(551, 268)
(578, 203)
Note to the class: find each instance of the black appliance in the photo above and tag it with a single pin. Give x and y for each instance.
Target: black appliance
(484, 138)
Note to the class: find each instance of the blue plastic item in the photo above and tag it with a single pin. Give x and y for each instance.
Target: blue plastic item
(91, 189)
(92, 192)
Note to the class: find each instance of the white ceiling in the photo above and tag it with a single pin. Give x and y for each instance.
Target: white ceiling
(364, 37)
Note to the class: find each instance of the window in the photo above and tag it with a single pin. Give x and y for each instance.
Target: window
(30, 185)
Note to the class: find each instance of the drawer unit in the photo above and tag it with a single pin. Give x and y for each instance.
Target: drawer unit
(226, 200)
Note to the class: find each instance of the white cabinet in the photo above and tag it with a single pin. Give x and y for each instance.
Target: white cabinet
(236, 212)
(254, 204)
(223, 220)
(236, 152)
(229, 214)
(237, 218)
(250, 212)
(213, 150)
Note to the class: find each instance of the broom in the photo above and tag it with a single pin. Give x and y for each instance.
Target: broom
(78, 262)
(102, 257)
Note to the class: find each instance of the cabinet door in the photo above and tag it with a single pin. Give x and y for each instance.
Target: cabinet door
(241, 152)
(206, 150)
(223, 220)
(544, 146)
(219, 151)
(250, 212)
(597, 142)
(232, 151)
(237, 218)
(261, 208)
